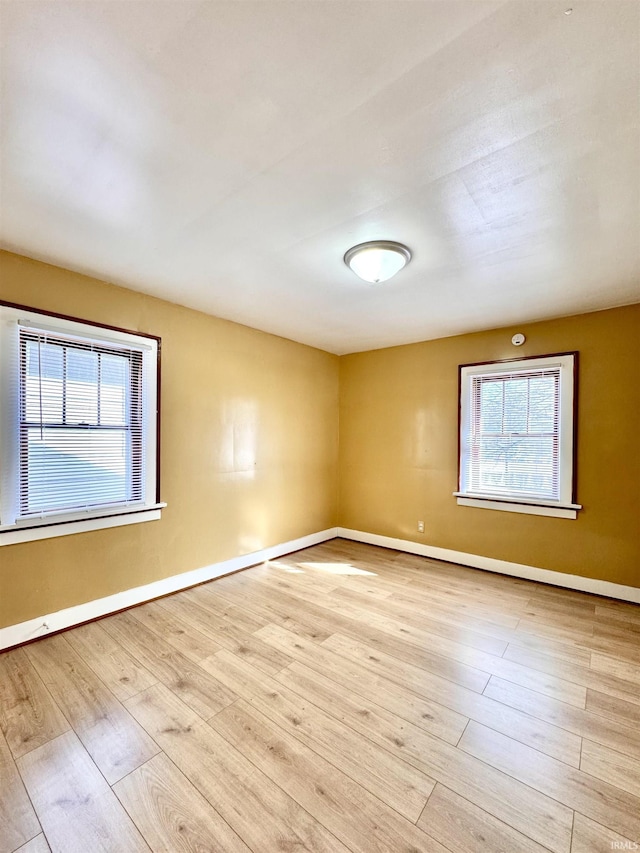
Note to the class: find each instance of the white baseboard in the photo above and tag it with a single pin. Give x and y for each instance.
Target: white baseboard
(503, 567)
(14, 635)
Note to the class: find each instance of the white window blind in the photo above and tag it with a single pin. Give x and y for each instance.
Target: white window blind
(514, 441)
(81, 426)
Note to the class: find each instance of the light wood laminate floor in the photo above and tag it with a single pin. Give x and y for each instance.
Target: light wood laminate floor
(344, 698)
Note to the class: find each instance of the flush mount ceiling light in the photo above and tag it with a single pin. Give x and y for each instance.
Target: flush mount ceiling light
(378, 260)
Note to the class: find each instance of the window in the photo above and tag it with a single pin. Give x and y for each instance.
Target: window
(78, 426)
(517, 437)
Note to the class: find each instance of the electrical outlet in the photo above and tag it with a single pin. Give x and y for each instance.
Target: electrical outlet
(421, 527)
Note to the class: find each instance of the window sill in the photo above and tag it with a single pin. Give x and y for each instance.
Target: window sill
(552, 510)
(52, 528)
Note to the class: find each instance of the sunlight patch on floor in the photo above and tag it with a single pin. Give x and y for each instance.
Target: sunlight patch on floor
(337, 568)
(284, 567)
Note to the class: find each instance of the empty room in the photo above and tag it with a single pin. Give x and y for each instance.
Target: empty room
(319, 418)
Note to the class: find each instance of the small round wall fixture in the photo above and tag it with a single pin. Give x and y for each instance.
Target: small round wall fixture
(518, 340)
(377, 260)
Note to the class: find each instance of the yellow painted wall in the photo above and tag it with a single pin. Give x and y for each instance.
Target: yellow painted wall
(398, 447)
(249, 448)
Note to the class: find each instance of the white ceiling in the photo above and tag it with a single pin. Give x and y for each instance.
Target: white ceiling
(224, 155)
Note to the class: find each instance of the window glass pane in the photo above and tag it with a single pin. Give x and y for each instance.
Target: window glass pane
(81, 396)
(43, 376)
(73, 468)
(542, 403)
(114, 381)
(491, 406)
(520, 465)
(515, 405)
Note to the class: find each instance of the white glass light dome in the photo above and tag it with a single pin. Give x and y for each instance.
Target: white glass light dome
(377, 260)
